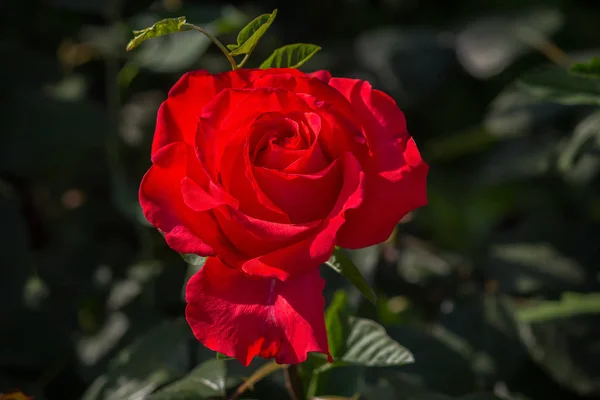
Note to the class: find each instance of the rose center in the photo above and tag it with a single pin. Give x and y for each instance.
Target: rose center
(284, 140)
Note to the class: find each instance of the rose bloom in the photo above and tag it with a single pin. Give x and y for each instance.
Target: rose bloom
(265, 171)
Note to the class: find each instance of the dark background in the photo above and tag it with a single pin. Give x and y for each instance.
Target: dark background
(513, 219)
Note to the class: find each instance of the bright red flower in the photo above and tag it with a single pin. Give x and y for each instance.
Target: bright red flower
(268, 170)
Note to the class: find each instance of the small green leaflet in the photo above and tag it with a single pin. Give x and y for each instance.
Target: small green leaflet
(591, 68)
(290, 56)
(161, 28)
(343, 265)
(249, 36)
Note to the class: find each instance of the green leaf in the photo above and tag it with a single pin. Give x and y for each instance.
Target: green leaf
(249, 36)
(562, 86)
(193, 259)
(578, 160)
(290, 56)
(343, 265)
(368, 344)
(205, 381)
(161, 28)
(360, 341)
(336, 322)
(590, 68)
(569, 305)
(565, 348)
(157, 358)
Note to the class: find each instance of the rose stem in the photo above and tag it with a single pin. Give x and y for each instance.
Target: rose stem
(215, 41)
(259, 374)
(293, 383)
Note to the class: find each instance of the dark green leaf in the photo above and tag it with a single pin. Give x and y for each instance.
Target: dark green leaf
(290, 56)
(590, 68)
(156, 358)
(193, 259)
(562, 86)
(360, 341)
(249, 36)
(394, 388)
(436, 351)
(161, 28)
(526, 266)
(578, 160)
(343, 265)
(205, 381)
(568, 349)
(569, 305)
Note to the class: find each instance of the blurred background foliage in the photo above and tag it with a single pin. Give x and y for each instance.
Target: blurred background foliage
(494, 286)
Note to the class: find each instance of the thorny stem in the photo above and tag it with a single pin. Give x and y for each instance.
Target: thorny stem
(293, 383)
(215, 41)
(259, 374)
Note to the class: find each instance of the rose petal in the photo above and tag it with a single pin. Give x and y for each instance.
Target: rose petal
(185, 230)
(177, 118)
(226, 119)
(302, 197)
(199, 199)
(242, 185)
(396, 173)
(255, 237)
(244, 317)
(308, 254)
(222, 145)
(313, 159)
(163, 206)
(322, 75)
(275, 141)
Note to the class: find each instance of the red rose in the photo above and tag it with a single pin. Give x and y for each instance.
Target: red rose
(268, 170)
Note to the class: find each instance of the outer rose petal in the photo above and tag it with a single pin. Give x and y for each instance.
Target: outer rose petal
(160, 195)
(162, 203)
(243, 317)
(396, 175)
(322, 75)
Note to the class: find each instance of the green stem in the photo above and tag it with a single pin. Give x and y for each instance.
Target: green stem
(215, 41)
(246, 57)
(293, 383)
(259, 374)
